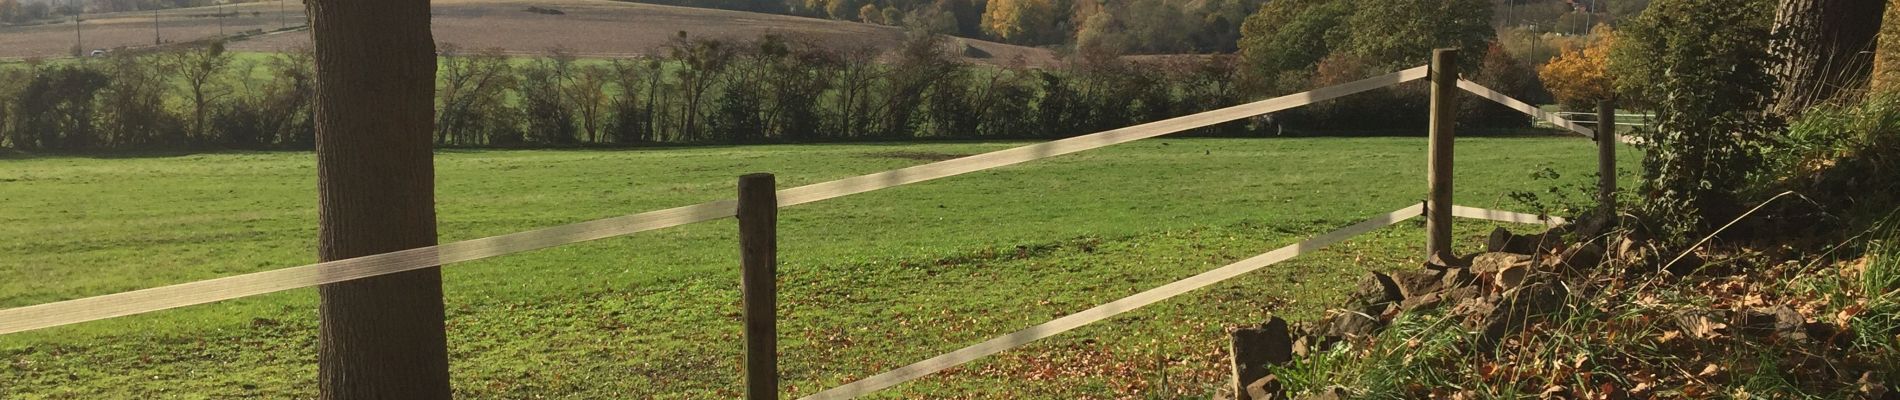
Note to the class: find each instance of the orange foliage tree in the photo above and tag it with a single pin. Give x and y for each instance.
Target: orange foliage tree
(1579, 77)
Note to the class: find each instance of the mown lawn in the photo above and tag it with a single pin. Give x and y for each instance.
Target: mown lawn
(870, 282)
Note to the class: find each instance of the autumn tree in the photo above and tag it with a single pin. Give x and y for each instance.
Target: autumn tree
(1580, 76)
(1024, 21)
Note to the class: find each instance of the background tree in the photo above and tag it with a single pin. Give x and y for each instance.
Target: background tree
(1282, 43)
(198, 70)
(1296, 45)
(12, 80)
(637, 85)
(1580, 77)
(133, 106)
(544, 105)
(702, 62)
(55, 111)
(586, 92)
(472, 99)
(271, 107)
(1025, 21)
(1500, 71)
(793, 73)
(1826, 48)
(293, 93)
(381, 337)
(858, 77)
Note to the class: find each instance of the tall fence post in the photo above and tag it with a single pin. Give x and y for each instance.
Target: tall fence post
(758, 253)
(1444, 110)
(1606, 156)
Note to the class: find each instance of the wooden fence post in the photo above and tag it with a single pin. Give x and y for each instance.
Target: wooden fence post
(1444, 117)
(1606, 156)
(758, 253)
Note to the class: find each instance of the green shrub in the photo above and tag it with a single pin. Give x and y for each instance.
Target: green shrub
(1704, 66)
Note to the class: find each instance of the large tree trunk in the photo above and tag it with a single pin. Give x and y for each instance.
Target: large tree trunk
(1887, 51)
(382, 337)
(1826, 47)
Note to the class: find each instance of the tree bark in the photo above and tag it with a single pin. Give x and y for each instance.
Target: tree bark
(1887, 51)
(1826, 46)
(381, 337)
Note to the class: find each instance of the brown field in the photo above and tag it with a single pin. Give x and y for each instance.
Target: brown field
(590, 28)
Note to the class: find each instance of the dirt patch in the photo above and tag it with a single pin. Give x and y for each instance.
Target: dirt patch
(917, 155)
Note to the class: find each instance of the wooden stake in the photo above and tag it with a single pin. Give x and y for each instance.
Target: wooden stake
(758, 253)
(1444, 117)
(1606, 156)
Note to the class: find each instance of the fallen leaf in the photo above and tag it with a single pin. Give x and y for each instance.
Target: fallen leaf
(1709, 371)
(1554, 392)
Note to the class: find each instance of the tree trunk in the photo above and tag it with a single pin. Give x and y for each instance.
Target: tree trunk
(1826, 48)
(1887, 51)
(381, 337)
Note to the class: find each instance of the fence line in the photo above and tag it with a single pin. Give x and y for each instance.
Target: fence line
(218, 289)
(865, 183)
(1110, 309)
(1505, 216)
(1523, 107)
(1106, 310)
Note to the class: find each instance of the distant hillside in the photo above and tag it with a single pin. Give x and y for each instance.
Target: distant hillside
(590, 28)
(1133, 26)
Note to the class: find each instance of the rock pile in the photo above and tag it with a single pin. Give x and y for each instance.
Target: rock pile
(1520, 284)
(1518, 279)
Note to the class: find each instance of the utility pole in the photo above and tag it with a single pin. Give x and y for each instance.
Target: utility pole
(1589, 18)
(282, 22)
(156, 40)
(220, 19)
(79, 37)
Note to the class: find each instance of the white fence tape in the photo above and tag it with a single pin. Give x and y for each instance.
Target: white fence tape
(1070, 322)
(1505, 216)
(219, 289)
(1523, 107)
(1110, 309)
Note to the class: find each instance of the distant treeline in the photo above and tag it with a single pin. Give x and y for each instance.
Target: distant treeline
(701, 91)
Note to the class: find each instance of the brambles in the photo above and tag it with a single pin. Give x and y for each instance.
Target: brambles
(1703, 64)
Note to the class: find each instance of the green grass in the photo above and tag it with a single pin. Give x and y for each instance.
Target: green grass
(870, 282)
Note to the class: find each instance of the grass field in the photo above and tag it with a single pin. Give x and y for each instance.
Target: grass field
(870, 282)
